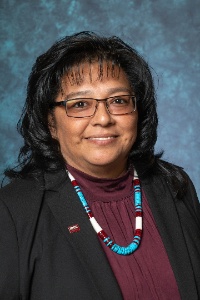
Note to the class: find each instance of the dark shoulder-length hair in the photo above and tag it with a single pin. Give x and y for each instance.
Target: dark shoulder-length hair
(40, 151)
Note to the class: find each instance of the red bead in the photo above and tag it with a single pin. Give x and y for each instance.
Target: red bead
(102, 234)
(90, 215)
(138, 232)
(136, 182)
(138, 214)
(74, 183)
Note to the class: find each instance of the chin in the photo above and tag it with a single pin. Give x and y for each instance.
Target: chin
(100, 162)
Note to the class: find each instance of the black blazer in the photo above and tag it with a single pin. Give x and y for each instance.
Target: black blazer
(41, 260)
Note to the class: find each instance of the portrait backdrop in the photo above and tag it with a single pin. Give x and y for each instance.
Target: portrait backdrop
(166, 33)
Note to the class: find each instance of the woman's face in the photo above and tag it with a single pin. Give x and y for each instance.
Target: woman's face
(98, 145)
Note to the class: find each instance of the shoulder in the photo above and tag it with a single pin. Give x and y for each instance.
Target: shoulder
(190, 199)
(180, 185)
(170, 176)
(21, 188)
(22, 196)
(177, 179)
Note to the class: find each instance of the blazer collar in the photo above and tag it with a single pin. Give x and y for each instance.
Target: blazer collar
(68, 211)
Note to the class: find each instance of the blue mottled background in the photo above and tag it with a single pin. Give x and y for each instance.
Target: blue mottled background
(166, 33)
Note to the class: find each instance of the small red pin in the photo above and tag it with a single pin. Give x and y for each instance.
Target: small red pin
(74, 228)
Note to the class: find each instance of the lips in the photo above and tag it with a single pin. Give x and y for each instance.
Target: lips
(102, 138)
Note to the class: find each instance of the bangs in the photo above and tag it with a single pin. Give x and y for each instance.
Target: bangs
(75, 74)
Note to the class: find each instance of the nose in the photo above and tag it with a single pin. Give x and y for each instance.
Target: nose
(102, 116)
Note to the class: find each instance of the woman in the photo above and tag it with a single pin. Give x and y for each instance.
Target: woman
(76, 222)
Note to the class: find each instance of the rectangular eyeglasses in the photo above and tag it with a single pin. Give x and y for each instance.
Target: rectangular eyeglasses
(86, 107)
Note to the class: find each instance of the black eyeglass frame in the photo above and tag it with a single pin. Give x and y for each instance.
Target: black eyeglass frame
(63, 103)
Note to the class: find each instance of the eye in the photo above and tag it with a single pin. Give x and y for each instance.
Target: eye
(120, 100)
(79, 104)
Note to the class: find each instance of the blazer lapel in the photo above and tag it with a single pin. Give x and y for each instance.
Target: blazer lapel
(68, 211)
(163, 206)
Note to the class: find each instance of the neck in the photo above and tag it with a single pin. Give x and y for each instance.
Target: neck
(108, 172)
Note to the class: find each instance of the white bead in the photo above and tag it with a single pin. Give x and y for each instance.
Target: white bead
(135, 174)
(95, 225)
(138, 223)
(70, 176)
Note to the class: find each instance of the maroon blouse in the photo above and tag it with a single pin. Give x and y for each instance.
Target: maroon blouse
(147, 273)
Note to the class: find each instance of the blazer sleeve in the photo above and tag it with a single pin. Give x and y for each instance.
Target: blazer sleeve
(190, 220)
(192, 202)
(9, 270)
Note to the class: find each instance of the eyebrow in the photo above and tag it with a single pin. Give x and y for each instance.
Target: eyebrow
(86, 92)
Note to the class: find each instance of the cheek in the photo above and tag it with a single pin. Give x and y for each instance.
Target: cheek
(131, 127)
(65, 134)
(71, 131)
(130, 131)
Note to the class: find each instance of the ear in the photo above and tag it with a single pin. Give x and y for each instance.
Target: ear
(52, 125)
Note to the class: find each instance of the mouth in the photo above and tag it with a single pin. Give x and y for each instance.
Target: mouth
(102, 138)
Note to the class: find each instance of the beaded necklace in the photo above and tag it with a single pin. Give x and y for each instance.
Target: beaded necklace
(101, 233)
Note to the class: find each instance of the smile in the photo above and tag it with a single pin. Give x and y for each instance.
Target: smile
(102, 138)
